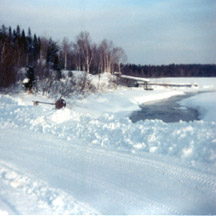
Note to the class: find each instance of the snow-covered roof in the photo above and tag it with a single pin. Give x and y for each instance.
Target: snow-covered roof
(135, 78)
(26, 80)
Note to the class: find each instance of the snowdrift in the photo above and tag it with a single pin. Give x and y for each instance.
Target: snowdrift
(89, 158)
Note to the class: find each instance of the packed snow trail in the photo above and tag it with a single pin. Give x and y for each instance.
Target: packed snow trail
(63, 177)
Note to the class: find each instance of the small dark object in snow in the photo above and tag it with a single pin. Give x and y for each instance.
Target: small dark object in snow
(60, 103)
(36, 103)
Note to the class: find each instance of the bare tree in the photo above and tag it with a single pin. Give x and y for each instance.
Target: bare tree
(66, 48)
(43, 48)
(106, 56)
(110, 57)
(84, 46)
(78, 57)
(119, 57)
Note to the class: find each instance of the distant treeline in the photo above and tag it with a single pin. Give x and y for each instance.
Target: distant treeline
(173, 70)
(19, 49)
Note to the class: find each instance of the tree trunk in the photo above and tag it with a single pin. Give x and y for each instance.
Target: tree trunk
(65, 62)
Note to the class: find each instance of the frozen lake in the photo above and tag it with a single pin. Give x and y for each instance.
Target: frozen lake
(167, 110)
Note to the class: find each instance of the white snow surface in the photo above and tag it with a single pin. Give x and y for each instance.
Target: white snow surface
(205, 103)
(89, 158)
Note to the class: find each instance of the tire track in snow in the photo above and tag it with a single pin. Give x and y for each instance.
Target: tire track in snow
(206, 181)
(49, 200)
(186, 177)
(10, 207)
(104, 171)
(128, 199)
(189, 179)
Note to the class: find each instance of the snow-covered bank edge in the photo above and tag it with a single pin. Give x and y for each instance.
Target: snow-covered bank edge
(121, 102)
(193, 142)
(53, 145)
(102, 120)
(16, 185)
(205, 103)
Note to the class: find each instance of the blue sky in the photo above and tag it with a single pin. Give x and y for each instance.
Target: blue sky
(150, 31)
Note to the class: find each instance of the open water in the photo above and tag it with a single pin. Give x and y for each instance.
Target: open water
(167, 110)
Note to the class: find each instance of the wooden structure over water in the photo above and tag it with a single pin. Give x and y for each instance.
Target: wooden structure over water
(132, 81)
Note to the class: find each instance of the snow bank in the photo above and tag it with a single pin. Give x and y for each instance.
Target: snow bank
(3, 213)
(205, 103)
(61, 116)
(102, 120)
(190, 141)
(50, 200)
(120, 102)
(204, 83)
(123, 101)
(100, 124)
(100, 81)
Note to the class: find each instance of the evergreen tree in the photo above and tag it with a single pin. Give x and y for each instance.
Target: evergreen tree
(18, 31)
(10, 32)
(52, 53)
(36, 47)
(3, 30)
(30, 74)
(29, 33)
(14, 35)
(23, 34)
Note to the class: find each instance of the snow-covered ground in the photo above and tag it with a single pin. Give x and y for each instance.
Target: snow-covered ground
(89, 158)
